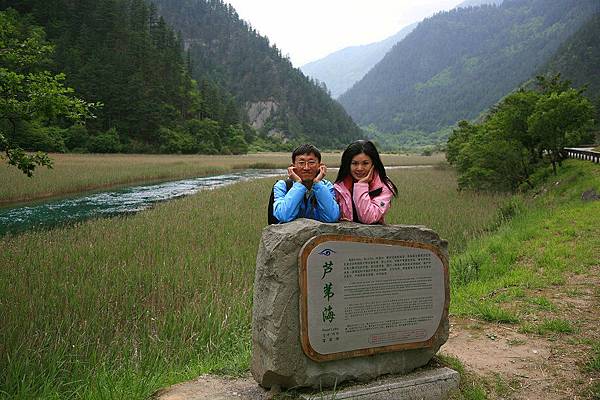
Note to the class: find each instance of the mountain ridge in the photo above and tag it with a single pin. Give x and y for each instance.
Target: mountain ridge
(578, 60)
(342, 68)
(225, 49)
(458, 63)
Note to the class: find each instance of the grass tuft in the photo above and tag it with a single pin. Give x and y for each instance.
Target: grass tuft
(465, 270)
(471, 387)
(548, 326)
(593, 364)
(494, 313)
(543, 303)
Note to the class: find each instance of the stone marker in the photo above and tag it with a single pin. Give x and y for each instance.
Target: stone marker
(385, 310)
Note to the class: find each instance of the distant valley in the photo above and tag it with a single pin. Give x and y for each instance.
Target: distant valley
(342, 69)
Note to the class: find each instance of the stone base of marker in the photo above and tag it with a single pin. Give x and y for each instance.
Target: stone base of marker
(277, 357)
(428, 384)
(431, 384)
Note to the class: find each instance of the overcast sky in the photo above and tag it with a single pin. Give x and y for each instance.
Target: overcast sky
(307, 30)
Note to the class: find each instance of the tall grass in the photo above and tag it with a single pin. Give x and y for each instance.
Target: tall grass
(117, 308)
(430, 197)
(73, 173)
(559, 234)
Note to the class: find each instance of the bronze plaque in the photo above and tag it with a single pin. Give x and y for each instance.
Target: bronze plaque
(360, 296)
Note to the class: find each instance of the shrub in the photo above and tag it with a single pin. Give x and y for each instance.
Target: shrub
(77, 138)
(107, 142)
(176, 141)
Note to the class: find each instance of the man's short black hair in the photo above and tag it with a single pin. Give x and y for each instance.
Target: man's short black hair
(305, 149)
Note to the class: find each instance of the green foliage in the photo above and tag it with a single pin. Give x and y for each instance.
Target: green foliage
(25, 162)
(31, 97)
(561, 119)
(206, 134)
(176, 142)
(494, 313)
(76, 138)
(556, 326)
(236, 142)
(107, 142)
(465, 270)
(45, 138)
(527, 128)
(485, 158)
(408, 140)
(124, 54)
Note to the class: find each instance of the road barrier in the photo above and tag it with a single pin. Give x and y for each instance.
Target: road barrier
(583, 154)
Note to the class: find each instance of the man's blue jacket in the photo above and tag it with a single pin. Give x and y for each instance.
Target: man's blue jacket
(318, 203)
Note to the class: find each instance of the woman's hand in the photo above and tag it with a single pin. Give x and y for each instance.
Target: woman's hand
(368, 178)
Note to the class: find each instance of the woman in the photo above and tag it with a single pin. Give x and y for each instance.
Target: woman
(363, 190)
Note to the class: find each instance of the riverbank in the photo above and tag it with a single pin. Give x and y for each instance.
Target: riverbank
(118, 308)
(78, 173)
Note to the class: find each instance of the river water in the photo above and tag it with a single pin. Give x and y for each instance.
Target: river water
(123, 201)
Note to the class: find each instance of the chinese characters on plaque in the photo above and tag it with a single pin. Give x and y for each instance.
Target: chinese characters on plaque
(365, 294)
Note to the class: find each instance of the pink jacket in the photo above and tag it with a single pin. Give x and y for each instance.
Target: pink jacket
(370, 210)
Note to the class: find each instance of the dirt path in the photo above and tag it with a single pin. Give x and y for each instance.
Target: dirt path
(524, 361)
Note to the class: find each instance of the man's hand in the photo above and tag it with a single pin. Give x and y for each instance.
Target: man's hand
(321, 174)
(368, 178)
(292, 174)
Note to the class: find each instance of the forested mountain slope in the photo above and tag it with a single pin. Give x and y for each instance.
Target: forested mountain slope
(578, 60)
(122, 54)
(340, 70)
(457, 64)
(277, 97)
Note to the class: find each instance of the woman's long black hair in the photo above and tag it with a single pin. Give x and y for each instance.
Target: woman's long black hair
(367, 147)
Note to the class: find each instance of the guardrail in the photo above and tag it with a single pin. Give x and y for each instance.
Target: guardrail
(583, 154)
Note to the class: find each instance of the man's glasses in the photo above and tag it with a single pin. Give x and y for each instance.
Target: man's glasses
(303, 164)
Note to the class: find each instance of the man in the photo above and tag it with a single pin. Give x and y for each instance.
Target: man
(310, 196)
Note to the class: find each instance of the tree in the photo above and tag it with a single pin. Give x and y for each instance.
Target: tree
(28, 92)
(561, 120)
(487, 158)
(528, 126)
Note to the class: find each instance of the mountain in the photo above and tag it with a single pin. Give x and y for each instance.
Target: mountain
(343, 68)
(340, 70)
(456, 64)
(278, 100)
(578, 60)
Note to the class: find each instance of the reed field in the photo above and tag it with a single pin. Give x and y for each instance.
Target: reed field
(117, 308)
(74, 173)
